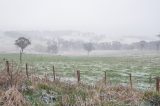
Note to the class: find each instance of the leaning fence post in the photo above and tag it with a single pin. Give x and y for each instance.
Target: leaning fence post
(130, 80)
(157, 84)
(78, 76)
(54, 76)
(27, 71)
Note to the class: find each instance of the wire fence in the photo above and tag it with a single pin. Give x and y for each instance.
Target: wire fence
(111, 77)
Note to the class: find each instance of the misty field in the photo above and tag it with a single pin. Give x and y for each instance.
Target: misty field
(144, 68)
(130, 80)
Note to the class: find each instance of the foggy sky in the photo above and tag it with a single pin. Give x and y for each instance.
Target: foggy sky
(117, 19)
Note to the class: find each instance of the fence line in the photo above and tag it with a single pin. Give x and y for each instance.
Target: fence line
(127, 77)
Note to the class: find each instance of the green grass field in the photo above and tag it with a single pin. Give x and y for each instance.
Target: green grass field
(92, 68)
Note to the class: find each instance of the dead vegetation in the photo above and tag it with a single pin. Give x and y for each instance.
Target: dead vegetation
(18, 90)
(13, 97)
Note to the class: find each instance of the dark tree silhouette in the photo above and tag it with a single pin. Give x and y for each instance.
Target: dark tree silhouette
(52, 47)
(22, 43)
(88, 47)
(142, 44)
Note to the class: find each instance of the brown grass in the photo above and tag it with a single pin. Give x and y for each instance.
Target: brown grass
(74, 94)
(13, 97)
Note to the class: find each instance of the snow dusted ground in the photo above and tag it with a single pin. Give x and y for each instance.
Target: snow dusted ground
(118, 65)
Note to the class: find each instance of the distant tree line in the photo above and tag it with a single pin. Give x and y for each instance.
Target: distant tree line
(65, 45)
(141, 45)
(61, 44)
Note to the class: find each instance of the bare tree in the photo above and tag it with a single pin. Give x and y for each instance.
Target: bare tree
(88, 47)
(22, 43)
(142, 45)
(52, 47)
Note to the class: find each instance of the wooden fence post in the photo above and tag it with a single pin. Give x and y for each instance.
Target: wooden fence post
(105, 77)
(130, 80)
(27, 71)
(157, 84)
(9, 73)
(7, 66)
(54, 76)
(150, 80)
(78, 76)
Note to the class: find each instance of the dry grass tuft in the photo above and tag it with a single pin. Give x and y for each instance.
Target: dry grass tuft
(18, 79)
(4, 80)
(13, 97)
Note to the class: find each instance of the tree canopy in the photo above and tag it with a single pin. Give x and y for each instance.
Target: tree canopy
(22, 42)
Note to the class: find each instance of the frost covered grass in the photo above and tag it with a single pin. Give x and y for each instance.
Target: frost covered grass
(92, 68)
(41, 90)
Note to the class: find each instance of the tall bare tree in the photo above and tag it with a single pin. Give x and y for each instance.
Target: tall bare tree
(22, 43)
(142, 45)
(88, 47)
(52, 47)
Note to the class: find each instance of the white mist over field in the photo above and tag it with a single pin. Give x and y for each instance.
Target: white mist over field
(68, 21)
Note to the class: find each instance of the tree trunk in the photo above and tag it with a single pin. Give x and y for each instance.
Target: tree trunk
(21, 51)
(20, 56)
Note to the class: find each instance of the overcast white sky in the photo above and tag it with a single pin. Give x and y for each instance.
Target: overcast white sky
(117, 18)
